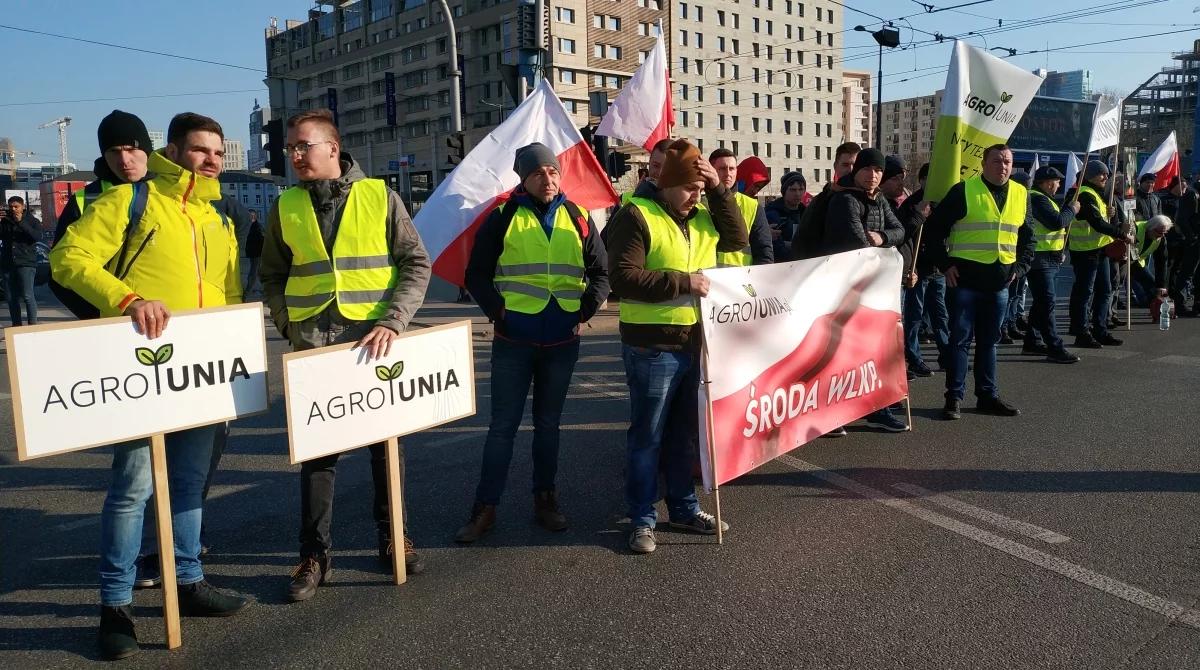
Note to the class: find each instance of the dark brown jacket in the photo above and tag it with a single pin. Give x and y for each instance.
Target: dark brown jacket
(628, 240)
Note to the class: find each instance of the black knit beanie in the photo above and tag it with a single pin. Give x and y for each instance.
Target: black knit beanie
(869, 157)
(123, 129)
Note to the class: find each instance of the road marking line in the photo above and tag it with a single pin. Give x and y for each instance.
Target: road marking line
(215, 493)
(999, 520)
(1178, 360)
(602, 389)
(1116, 354)
(1127, 592)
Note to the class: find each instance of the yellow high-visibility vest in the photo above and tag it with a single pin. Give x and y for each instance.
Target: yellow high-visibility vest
(1145, 251)
(1083, 236)
(361, 275)
(671, 251)
(532, 267)
(1048, 240)
(985, 234)
(749, 209)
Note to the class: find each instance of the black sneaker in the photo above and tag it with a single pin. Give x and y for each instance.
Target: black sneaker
(148, 575)
(1016, 333)
(1005, 338)
(996, 406)
(413, 564)
(1110, 341)
(312, 572)
(547, 513)
(116, 638)
(1087, 342)
(920, 369)
(952, 411)
(1034, 349)
(1062, 356)
(201, 599)
(703, 523)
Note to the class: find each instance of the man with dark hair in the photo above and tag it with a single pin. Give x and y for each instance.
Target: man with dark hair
(807, 242)
(1091, 231)
(985, 223)
(1050, 224)
(20, 232)
(784, 214)
(645, 186)
(927, 298)
(338, 225)
(539, 271)
(759, 251)
(165, 276)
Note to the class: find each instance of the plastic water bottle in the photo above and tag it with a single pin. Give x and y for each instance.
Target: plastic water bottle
(1164, 315)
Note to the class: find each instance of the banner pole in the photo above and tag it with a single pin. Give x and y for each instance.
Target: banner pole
(917, 247)
(711, 446)
(166, 539)
(1129, 292)
(396, 509)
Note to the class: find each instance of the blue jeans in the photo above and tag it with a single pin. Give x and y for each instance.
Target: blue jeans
(1042, 328)
(1091, 294)
(974, 315)
(514, 366)
(189, 454)
(663, 418)
(20, 289)
(929, 295)
(1016, 301)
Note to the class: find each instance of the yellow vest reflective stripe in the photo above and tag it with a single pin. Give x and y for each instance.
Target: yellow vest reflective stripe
(670, 251)
(532, 266)
(749, 208)
(1083, 236)
(1145, 251)
(361, 275)
(83, 198)
(1048, 240)
(985, 234)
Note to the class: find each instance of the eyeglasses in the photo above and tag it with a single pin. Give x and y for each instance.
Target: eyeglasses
(303, 148)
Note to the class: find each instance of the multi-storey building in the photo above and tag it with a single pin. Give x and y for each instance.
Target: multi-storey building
(256, 155)
(255, 191)
(235, 155)
(909, 126)
(348, 46)
(1166, 101)
(762, 78)
(1071, 85)
(857, 113)
(157, 138)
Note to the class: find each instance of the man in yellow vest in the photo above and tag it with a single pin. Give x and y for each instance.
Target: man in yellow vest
(1150, 266)
(539, 271)
(760, 250)
(337, 212)
(1050, 224)
(985, 223)
(1091, 231)
(658, 250)
(163, 276)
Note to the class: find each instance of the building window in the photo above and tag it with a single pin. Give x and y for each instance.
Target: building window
(683, 42)
(650, 4)
(566, 76)
(683, 10)
(566, 46)
(564, 14)
(683, 64)
(644, 29)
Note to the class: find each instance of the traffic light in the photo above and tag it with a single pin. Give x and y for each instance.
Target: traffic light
(598, 143)
(618, 164)
(457, 145)
(276, 159)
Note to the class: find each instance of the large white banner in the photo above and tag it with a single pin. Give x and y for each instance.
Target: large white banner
(338, 400)
(797, 349)
(89, 383)
(1106, 124)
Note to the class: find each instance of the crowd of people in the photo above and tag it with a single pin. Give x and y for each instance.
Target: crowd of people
(341, 262)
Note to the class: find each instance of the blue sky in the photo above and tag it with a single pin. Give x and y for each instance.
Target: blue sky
(231, 31)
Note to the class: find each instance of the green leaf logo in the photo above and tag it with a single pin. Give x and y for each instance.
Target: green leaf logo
(164, 353)
(382, 373)
(397, 369)
(1005, 96)
(750, 290)
(144, 356)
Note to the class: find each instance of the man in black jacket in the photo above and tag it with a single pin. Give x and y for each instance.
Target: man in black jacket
(928, 296)
(20, 232)
(1184, 250)
(807, 243)
(785, 212)
(859, 218)
(985, 256)
(1091, 295)
(538, 271)
(1050, 224)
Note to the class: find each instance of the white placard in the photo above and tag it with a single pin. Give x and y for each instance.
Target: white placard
(337, 400)
(89, 383)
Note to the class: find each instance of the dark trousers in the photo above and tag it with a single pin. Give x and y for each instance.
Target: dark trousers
(975, 316)
(316, 498)
(20, 290)
(1042, 328)
(927, 298)
(1091, 294)
(515, 366)
(1184, 260)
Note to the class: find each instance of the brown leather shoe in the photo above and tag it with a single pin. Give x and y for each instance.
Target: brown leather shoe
(483, 517)
(312, 572)
(413, 564)
(546, 512)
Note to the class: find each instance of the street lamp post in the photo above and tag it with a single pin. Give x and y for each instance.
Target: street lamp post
(890, 38)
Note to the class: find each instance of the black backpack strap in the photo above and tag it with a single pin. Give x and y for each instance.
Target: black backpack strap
(137, 207)
(579, 217)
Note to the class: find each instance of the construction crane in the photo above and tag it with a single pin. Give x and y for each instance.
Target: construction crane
(62, 124)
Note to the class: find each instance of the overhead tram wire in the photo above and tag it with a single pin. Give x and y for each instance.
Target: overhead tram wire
(128, 97)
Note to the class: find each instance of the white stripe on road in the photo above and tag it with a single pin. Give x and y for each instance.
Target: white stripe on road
(999, 520)
(1178, 360)
(1115, 354)
(1127, 592)
(213, 494)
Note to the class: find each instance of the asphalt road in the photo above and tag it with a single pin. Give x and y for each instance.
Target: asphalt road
(1063, 538)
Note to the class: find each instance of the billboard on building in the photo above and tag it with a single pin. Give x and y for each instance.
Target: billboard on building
(1054, 124)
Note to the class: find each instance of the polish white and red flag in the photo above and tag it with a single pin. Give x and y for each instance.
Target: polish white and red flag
(642, 113)
(1164, 163)
(485, 179)
(795, 350)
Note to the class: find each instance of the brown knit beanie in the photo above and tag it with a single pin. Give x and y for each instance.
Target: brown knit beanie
(679, 165)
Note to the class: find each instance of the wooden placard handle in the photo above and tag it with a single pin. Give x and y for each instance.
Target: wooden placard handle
(166, 540)
(396, 509)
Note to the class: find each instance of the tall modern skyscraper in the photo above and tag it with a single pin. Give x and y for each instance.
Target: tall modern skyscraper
(1071, 85)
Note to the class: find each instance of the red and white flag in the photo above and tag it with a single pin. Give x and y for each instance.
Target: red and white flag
(1164, 163)
(642, 113)
(485, 178)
